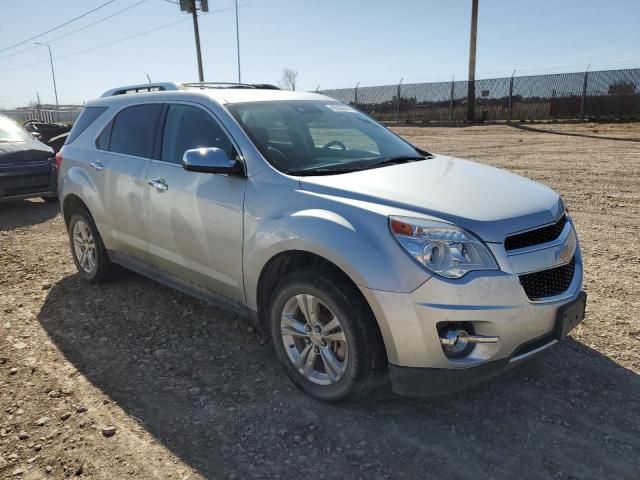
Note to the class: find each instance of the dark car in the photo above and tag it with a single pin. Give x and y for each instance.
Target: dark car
(58, 141)
(45, 131)
(27, 166)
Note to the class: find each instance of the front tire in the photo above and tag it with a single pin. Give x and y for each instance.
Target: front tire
(87, 249)
(325, 335)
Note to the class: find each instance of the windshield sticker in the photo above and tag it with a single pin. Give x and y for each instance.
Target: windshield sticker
(341, 108)
(307, 109)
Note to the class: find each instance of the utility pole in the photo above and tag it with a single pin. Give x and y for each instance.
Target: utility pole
(471, 86)
(238, 42)
(53, 73)
(584, 92)
(190, 7)
(511, 96)
(197, 34)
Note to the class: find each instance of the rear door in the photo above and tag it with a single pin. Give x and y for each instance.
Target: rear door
(129, 141)
(194, 220)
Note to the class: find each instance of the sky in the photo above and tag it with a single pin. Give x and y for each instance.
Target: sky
(331, 43)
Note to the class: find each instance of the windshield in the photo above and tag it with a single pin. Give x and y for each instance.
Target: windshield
(319, 137)
(10, 131)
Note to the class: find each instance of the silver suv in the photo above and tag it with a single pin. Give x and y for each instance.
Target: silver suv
(365, 257)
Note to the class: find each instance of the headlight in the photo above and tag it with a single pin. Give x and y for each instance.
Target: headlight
(443, 248)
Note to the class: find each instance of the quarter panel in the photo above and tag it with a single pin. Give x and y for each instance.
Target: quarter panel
(75, 178)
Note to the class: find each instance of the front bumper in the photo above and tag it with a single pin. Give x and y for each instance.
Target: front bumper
(436, 381)
(28, 181)
(492, 303)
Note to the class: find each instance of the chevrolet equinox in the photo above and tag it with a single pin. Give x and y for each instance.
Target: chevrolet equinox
(364, 257)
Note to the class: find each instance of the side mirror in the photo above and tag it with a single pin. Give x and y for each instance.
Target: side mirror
(36, 135)
(210, 160)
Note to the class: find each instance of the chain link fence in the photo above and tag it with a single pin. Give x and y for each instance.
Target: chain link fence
(608, 94)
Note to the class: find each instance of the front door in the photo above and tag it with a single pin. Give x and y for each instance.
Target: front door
(194, 220)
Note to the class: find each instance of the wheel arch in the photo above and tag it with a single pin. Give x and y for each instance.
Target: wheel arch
(71, 204)
(289, 261)
(284, 263)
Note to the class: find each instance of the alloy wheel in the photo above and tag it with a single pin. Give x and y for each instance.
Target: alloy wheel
(84, 246)
(314, 339)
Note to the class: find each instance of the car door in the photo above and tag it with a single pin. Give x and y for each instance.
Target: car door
(194, 220)
(130, 141)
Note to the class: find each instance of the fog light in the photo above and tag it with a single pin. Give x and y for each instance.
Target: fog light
(456, 341)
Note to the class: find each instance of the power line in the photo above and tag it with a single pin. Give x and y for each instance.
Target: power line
(18, 52)
(25, 66)
(59, 26)
(97, 21)
(125, 38)
(100, 46)
(77, 30)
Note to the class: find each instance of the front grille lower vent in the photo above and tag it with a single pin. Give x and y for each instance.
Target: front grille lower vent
(548, 283)
(23, 184)
(535, 237)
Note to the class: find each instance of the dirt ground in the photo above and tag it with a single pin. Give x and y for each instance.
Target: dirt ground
(193, 392)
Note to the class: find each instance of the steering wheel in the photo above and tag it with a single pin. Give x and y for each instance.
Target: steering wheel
(335, 143)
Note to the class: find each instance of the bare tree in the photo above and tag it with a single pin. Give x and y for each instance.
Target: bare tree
(288, 79)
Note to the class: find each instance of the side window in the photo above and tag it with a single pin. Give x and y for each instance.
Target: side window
(190, 127)
(134, 129)
(102, 142)
(86, 118)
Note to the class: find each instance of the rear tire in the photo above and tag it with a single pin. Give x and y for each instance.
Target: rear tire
(87, 249)
(325, 335)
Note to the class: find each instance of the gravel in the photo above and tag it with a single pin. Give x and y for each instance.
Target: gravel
(109, 431)
(193, 392)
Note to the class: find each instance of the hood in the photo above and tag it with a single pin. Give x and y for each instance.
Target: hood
(21, 153)
(487, 201)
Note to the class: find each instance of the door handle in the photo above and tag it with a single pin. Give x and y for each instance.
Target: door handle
(97, 165)
(159, 184)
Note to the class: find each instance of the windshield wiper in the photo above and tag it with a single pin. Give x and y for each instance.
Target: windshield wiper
(395, 160)
(356, 166)
(322, 171)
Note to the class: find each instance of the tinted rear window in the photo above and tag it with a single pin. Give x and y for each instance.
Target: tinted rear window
(86, 118)
(134, 130)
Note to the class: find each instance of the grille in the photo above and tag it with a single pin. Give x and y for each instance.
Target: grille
(548, 283)
(535, 237)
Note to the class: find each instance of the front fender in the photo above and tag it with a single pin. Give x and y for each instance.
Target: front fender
(356, 240)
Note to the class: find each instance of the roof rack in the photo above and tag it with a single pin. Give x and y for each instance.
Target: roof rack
(265, 86)
(262, 86)
(142, 88)
(164, 86)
